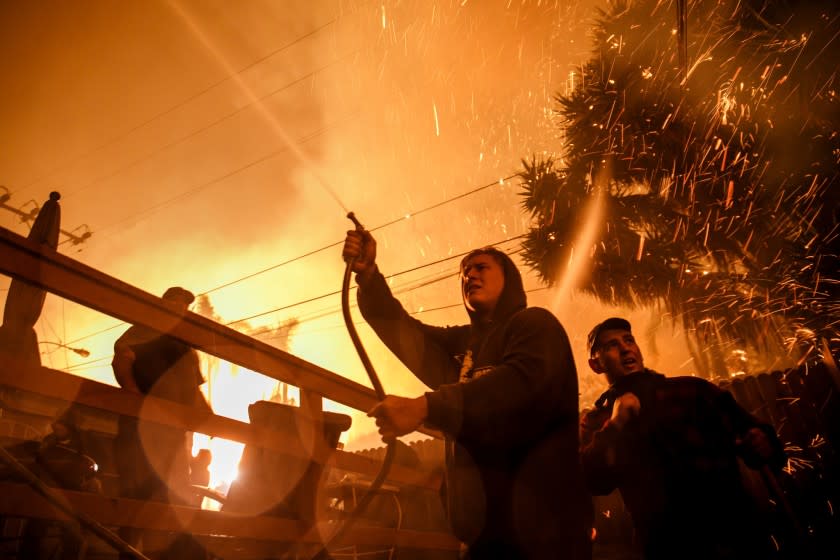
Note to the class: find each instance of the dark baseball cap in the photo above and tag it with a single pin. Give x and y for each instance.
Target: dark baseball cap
(613, 323)
(177, 292)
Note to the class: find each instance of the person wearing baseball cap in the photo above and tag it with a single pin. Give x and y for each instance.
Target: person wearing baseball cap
(671, 446)
(152, 459)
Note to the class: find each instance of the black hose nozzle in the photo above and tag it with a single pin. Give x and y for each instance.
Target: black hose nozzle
(352, 217)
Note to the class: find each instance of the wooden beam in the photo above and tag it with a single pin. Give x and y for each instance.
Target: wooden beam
(20, 500)
(72, 280)
(70, 388)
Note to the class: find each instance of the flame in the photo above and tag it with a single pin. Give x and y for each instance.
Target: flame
(231, 389)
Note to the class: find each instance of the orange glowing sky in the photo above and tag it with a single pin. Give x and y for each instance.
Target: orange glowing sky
(166, 126)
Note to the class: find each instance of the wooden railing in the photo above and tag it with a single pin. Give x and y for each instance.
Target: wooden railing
(225, 535)
(79, 283)
(70, 388)
(91, 288)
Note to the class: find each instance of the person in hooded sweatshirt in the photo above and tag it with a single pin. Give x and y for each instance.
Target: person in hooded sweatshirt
(504, 391)
(671, 446)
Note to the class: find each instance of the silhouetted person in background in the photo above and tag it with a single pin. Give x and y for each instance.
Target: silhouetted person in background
(153, 460)
(200, 467)
(671, 446)
(504, 392)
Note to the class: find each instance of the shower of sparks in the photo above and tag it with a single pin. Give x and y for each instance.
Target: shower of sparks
(797, 460)
(710, 211)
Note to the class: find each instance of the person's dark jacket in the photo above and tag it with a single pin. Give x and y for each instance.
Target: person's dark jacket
(153, 459)
(676, 465)
(164, 367)
(513, 471)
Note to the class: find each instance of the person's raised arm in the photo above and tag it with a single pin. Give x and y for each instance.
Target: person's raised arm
(424, 349)
(758, 442)
(600, 442)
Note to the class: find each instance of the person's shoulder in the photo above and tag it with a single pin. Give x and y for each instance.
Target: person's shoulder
(131, 332)
(135, 334)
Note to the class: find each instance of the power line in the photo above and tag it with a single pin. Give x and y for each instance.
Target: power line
(133, 218)
(177, 106)
(381, 226)
(322, 296)
(112, 327)
(417, 312)
(447, 201)
(89, 364)
(30, 215)
(331, 245)
(333, 310)
(208, 126)
(140, 216)
(200, 187)
(408, 287)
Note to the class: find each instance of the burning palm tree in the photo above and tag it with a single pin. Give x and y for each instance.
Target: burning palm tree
(722, 196)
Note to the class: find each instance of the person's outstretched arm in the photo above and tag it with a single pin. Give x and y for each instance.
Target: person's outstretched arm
(427, 351)
(757, 441)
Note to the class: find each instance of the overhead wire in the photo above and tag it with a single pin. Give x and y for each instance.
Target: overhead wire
(87, 364)
(324, 248)
(178, 105)
(398, 290)
(208, 126)
(255, 102)
(416, 312)
(139, 216)
(331, 310)
(411, 286)
(91, 335)
(322, 296)
(381, 226)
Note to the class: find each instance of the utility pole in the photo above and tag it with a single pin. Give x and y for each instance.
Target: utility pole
(76, 236)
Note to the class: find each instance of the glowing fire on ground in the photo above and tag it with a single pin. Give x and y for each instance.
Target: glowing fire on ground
(230, 390)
